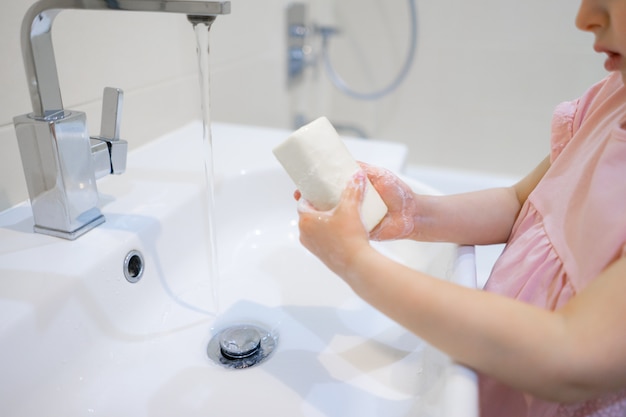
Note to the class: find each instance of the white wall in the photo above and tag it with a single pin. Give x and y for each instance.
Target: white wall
(480, 96)
(487, 77)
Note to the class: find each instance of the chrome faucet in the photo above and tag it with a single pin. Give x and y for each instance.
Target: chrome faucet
(61, 162)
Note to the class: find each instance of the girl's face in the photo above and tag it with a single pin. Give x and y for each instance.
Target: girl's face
(606, 19)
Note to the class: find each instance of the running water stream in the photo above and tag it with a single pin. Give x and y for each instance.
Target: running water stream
(202, 27)
(239, 345)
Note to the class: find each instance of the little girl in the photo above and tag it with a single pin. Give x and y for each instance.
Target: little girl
(545, 336)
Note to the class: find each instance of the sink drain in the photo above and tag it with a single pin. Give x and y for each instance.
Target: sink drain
(241, 346)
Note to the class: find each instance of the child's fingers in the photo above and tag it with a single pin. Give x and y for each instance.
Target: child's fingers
(353, 194)
(305, 207)
(351, 198)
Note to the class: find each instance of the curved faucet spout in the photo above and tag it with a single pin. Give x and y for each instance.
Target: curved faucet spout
(61, 162)
(38, 54)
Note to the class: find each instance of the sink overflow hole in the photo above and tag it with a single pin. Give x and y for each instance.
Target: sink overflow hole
(133, 266)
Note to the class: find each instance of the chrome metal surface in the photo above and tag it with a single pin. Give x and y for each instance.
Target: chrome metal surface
(101, 158)
(241, 346)
(297, 43)
(116, 148)
(37, 48)
(59, 172)
(207, 20)
(240, 342)
(133, 266)
(112, 100)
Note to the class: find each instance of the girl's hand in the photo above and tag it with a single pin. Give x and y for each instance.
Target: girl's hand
(399, 223)
(336, 236)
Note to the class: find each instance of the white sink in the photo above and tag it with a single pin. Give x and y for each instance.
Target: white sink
(77, 339)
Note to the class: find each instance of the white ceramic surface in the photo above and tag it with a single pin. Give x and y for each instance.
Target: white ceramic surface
(77, 339)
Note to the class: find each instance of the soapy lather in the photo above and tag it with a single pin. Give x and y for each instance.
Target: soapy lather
(320, 165)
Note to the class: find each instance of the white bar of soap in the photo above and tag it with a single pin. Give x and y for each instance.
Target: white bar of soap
(320, 165)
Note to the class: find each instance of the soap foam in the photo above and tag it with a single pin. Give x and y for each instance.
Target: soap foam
(402, 224)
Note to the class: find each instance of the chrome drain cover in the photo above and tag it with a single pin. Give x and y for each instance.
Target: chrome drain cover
(241, 346)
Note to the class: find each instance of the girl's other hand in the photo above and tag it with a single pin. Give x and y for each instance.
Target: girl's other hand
(401, 201)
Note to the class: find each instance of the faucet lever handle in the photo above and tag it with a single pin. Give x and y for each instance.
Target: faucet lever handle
(109, 151)
(112, 100)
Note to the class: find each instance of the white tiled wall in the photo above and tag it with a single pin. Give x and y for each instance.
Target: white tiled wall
(480, 96)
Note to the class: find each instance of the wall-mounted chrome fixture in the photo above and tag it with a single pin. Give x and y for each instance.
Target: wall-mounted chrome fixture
(298, 47)
(300, 53)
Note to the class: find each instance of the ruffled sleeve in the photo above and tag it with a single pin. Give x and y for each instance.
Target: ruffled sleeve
(562, 127)
(570, 115)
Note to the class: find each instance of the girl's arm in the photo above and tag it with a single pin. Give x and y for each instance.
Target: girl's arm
(480, 217)
(567, 355)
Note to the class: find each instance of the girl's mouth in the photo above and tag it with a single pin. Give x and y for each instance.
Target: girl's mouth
(613, 61)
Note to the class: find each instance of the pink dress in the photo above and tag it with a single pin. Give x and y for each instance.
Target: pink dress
(572, 226)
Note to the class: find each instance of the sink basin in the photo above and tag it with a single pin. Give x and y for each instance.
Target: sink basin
(79, 339)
